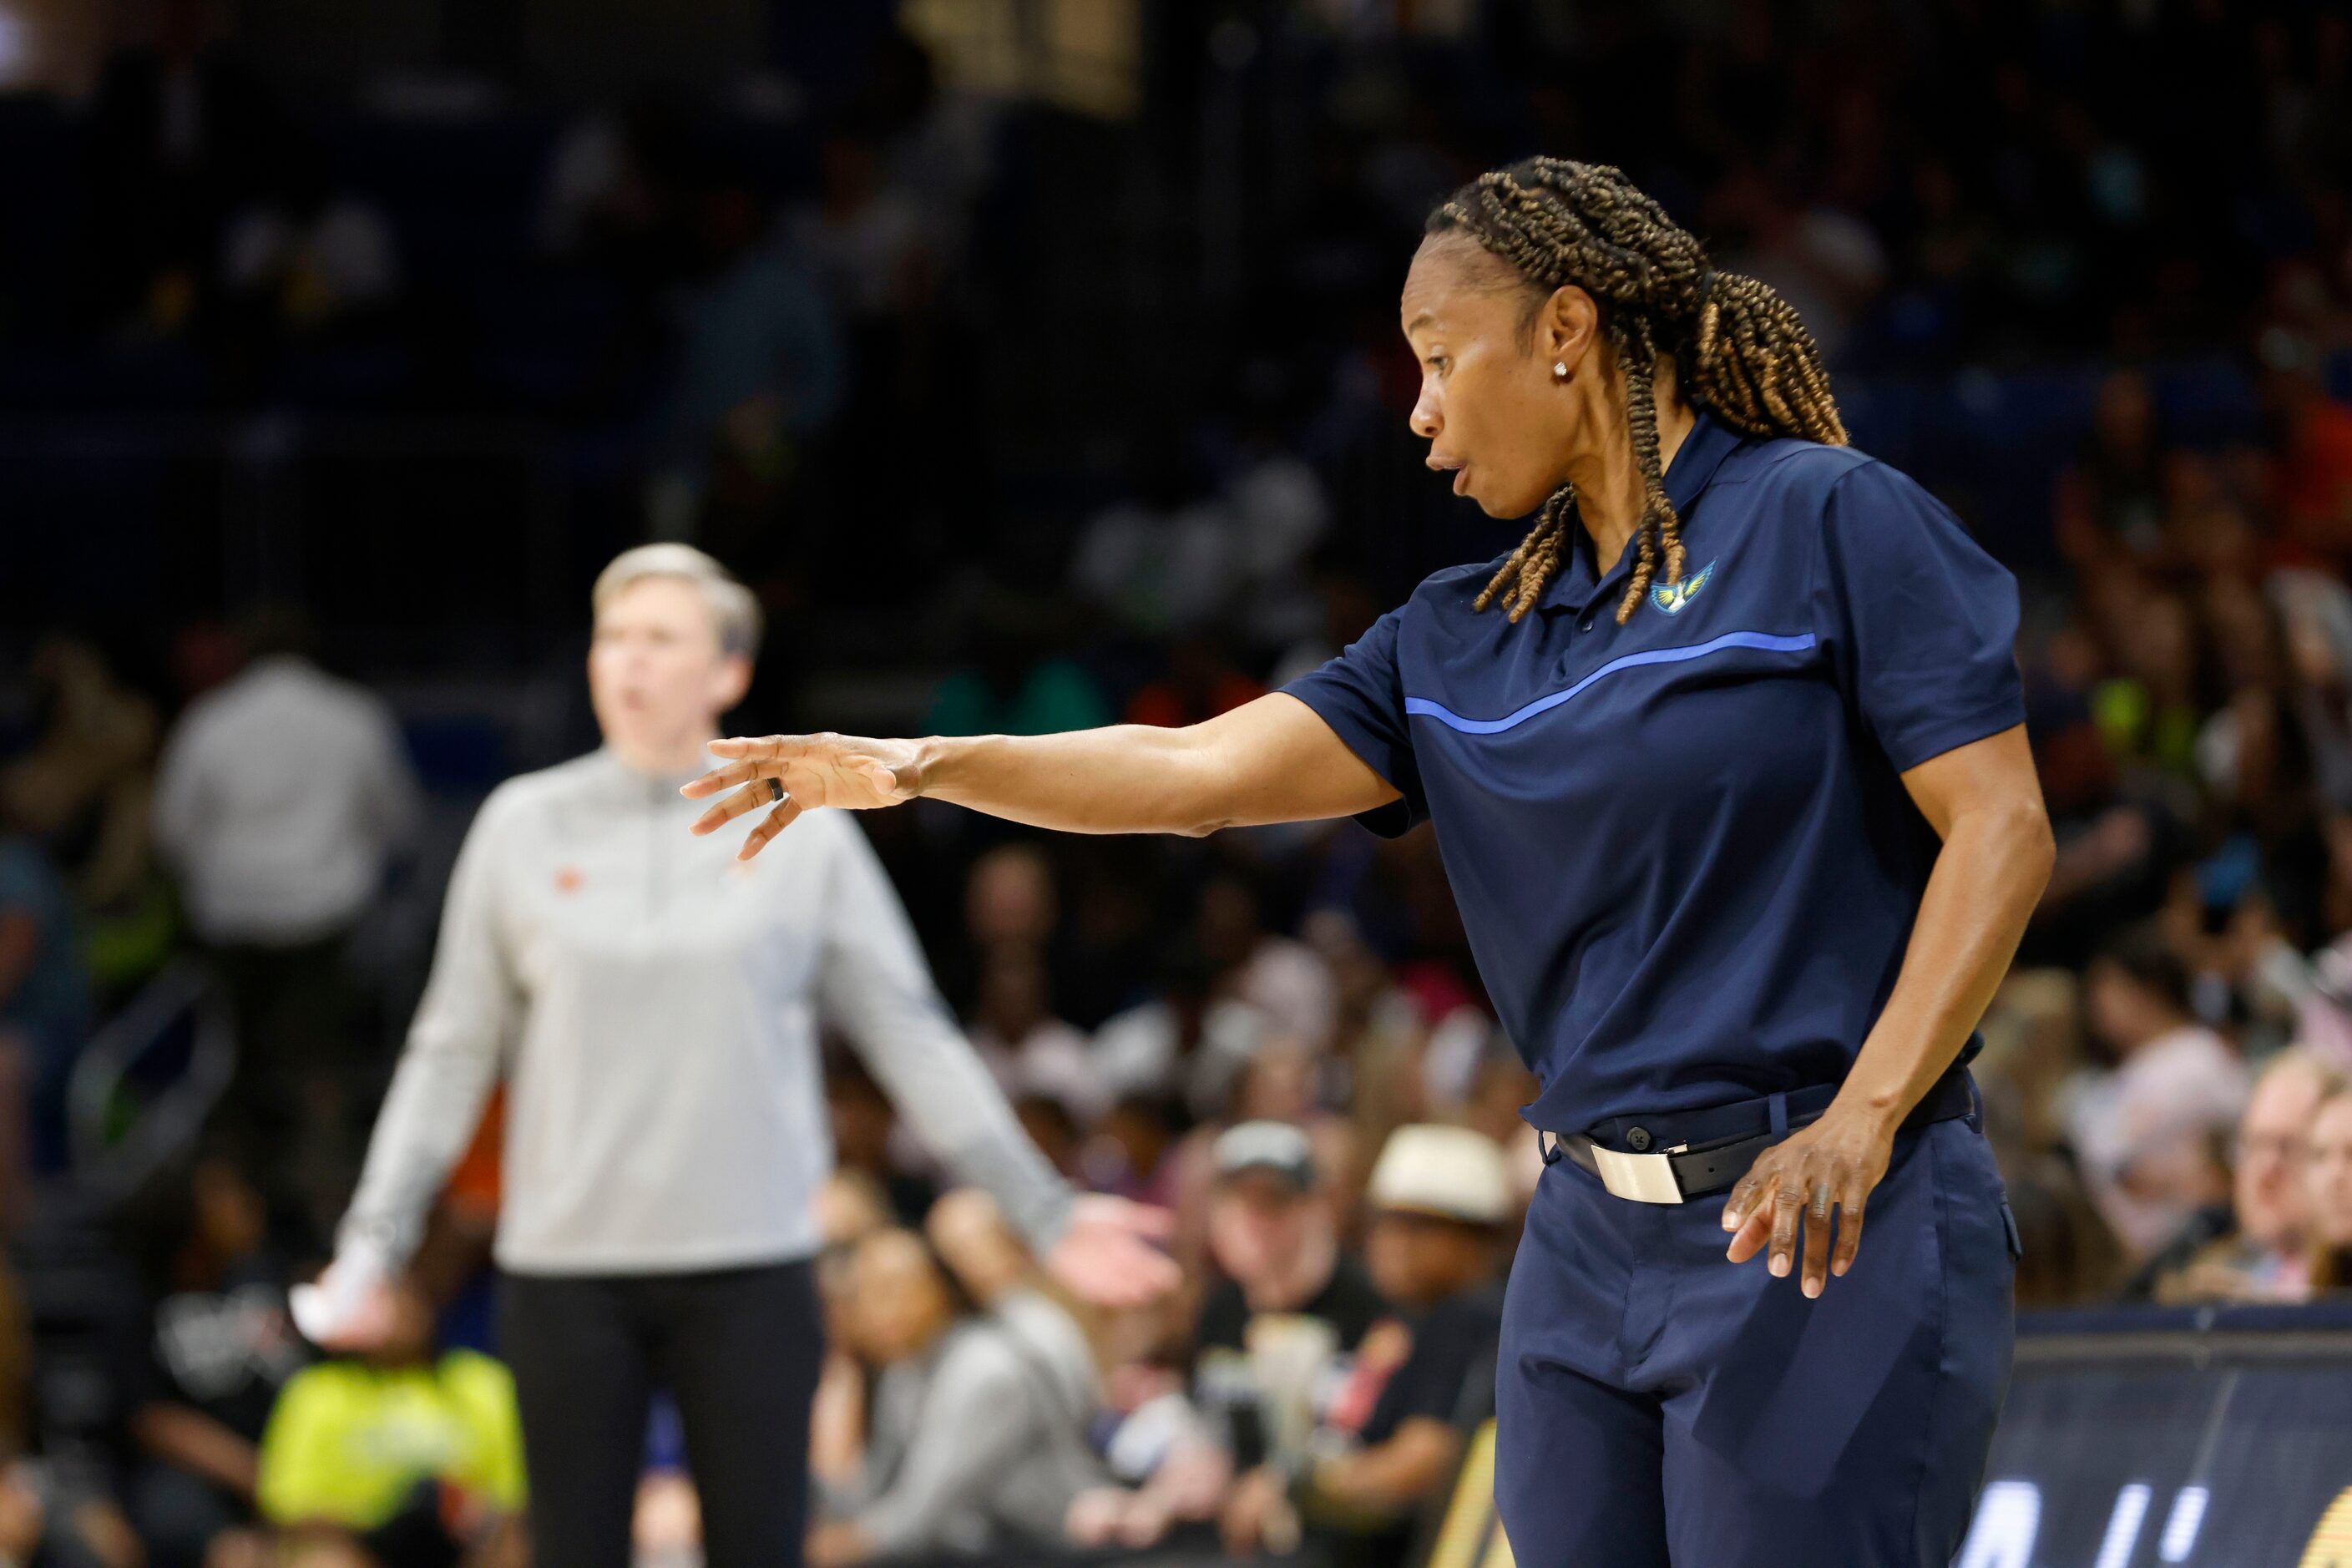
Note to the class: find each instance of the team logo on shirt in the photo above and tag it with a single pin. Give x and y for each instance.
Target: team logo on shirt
(1672, 596)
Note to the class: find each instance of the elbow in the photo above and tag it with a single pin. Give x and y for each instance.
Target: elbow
(1205, 777)
(2010, 840)
(2040, 848)
(2021, 830)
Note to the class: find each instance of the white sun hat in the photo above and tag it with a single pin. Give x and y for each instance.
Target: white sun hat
(1452, 1173)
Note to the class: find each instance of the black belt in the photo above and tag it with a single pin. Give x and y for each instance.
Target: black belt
(1726, 1140)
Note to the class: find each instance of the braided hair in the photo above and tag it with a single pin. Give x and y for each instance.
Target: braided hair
(1739, 348)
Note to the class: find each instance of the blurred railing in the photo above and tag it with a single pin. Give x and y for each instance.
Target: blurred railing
(144, 1085)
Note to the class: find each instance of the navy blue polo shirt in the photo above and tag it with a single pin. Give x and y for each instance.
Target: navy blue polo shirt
(1681, 847)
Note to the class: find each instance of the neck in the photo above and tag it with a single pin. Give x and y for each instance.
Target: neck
(665, 757)
(1608, 483)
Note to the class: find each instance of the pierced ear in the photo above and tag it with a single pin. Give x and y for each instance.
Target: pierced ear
(1568, 319)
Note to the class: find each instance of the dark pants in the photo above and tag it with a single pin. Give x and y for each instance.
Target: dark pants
(739, 1349)
(1658, 1405)
(303, 1072)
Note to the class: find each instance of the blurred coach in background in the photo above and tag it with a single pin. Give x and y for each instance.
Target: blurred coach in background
(656, 1005)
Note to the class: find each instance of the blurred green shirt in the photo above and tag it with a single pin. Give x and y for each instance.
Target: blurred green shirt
(349, 1442)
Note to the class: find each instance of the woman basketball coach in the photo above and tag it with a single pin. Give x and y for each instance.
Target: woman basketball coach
(1728, 767)
(654, 1011)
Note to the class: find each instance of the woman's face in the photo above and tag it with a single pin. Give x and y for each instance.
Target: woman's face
(2327, 1171)
(656, 673)
(898, 1303)
(1492, 408)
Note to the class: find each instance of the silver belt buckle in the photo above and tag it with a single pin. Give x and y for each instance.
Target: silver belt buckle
(1638, 1178)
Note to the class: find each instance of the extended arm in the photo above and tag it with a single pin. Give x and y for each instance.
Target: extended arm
(875, 983)
(1268, 761)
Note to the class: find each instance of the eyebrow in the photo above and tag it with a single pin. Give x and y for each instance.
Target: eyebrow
(1427, 316)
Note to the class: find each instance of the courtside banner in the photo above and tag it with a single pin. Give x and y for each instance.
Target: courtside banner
(2138, 1440)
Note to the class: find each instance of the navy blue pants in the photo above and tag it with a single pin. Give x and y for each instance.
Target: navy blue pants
(1658, 1405)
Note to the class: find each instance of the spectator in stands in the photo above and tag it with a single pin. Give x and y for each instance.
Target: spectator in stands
(1422, 1380)
(84, 791)
(2069, 1256)
(1188, 1043)
(1272, 1342)
(219, 1347)
(2110, 504)
(2148, 1131)
(1031, 1052)
(1279, 975)
(867, 1139)
(1009, 900)
(417, 1461)
(2264, 1257)
(284, 798)
(45, 1018)
(2327, 1175)
(975, 1438)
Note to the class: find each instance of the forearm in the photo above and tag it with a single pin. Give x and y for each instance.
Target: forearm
(1127, 778)
(428, 1118)
(1987, 880)
(197, 1443)
(1389, 1478)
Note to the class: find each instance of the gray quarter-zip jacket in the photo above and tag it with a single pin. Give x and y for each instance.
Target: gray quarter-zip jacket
(653, 1003)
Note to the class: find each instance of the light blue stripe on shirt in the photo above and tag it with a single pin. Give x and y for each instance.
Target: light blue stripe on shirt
(1769, 641)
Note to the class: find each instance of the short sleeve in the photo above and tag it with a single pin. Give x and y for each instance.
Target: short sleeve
(1361, 695)
(1921, 624)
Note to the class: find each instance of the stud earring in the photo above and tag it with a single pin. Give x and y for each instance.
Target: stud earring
(1560, 369)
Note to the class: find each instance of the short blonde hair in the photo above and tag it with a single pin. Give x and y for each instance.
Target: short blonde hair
(733, 608)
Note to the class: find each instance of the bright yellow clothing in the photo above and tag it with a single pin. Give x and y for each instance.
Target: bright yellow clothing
(348, 1442)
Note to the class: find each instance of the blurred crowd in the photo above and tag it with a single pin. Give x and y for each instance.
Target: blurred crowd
(1279, 1033)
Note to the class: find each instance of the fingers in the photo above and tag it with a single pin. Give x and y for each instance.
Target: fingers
(775, 823)
(1849, 1236)
(754, 757)
(1806, 1207)
(728, 777)
(1788, 1205)
(1754, 1226)
(747, 799)
(1817, 1240)
(758, 747)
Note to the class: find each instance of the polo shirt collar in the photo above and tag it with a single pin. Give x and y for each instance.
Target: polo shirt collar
(1710, 441)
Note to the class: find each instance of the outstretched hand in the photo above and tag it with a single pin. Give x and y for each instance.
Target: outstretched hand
(1108, 1255)
(1833, 1164)
(787, 774)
